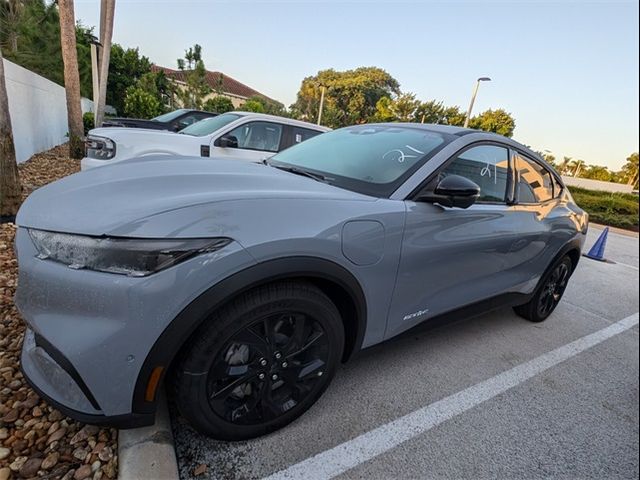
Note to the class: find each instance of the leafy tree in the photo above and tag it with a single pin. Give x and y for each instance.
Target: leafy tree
(196, 87)
(402, 108)
(143, 100)
(597, 172)
(252, 106)
(139, 103)
(30, 31)
(125, 69)
(260, 104)
(431, 111)
(218, 104)
(350, 97)
(496, 121)
(630, 170)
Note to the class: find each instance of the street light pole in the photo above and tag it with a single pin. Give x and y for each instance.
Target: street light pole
(321, 106)
(473, 98)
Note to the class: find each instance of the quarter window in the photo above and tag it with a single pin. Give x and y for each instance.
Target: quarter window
(485, 165)
(535, 184)
(299, 135)
(264, 136)
(557, 188)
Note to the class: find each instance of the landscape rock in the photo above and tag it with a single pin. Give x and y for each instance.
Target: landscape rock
(83, 472)
(35, 439)
(30, 467)
(50, 461)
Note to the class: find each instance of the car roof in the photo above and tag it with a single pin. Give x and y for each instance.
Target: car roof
(285, 120)
(461, 131)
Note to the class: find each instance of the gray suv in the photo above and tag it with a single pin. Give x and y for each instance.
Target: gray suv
(244, 285)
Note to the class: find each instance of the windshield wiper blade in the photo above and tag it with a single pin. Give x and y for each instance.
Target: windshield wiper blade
(299, 171)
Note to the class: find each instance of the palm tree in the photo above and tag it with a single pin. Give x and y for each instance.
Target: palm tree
(10, 190)
(71, 77)
(597, 172)
(10, 22)
(574, 167)
(630, 169)
(107, 10)
(563, 169)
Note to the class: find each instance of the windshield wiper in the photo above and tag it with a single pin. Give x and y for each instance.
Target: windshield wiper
(299, 171)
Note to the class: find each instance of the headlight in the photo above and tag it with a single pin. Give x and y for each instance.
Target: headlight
(101, 148)
(125, 256)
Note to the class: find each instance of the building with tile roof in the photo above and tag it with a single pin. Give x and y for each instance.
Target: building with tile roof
(229, 87)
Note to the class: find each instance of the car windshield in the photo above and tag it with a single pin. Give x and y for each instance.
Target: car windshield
(167, 117)
(371, 159)
(209, 125)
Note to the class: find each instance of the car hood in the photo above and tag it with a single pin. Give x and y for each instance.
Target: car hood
(133, 122)
(116, 133)
(98, 201)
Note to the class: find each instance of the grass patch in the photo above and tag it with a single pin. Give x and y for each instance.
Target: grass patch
(607, 208)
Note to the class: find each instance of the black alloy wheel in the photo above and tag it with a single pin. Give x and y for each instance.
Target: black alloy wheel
(259, 362)
(553, 289)
(268, 368)
(548, 293)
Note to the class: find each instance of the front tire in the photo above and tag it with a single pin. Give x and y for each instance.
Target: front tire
(260, 362)
(549, 292)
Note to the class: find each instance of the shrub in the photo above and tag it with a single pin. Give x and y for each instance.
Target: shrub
(88, 121)
(138, 103)
(615, 209)
(218, 104)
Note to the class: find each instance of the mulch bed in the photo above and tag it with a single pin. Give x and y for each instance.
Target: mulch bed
(37, 441)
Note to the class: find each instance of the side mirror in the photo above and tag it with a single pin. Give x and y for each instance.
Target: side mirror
(453, 191)
(227, 141)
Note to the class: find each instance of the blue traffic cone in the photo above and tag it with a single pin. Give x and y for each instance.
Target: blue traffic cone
(597, 251)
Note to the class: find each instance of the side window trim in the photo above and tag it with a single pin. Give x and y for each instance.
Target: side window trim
(517, 179)
(286, 140)
(509, 198)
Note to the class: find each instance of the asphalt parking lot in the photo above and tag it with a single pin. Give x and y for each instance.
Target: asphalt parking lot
(494, 396)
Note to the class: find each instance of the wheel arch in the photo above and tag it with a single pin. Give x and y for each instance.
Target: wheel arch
(572, 249)
(333, 279)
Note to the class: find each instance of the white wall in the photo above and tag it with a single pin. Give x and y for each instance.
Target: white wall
(596, 184)
(38, 111)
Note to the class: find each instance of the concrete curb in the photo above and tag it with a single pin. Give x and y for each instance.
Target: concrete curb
(621, 231)
(148, 453)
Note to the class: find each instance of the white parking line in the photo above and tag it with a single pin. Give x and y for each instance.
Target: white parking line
(367, 446)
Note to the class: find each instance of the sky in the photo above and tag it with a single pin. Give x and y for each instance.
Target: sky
(566, 70)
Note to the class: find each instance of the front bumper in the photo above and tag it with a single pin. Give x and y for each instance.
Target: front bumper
(89, 333)
(60, 389)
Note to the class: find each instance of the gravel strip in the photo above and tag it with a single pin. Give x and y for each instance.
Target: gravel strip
(37, 441)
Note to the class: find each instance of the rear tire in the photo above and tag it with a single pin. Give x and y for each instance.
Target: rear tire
(549, 292)
(260, 362)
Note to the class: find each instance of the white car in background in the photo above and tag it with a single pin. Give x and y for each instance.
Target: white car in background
(237, 135)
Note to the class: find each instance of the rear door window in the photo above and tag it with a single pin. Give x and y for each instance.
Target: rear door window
(535, 183)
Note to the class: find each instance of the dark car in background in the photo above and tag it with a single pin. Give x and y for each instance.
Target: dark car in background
(173, 121)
